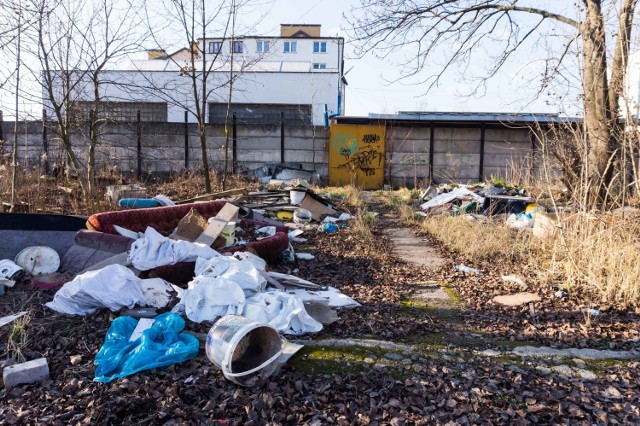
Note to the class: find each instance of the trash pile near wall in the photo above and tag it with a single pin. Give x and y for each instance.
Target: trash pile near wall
(162, 264)
(483, 201)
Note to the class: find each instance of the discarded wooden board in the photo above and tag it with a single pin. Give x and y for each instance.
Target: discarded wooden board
(190, 226)
(214, 196)
(227, 214)
(517, 299)
(318, 210)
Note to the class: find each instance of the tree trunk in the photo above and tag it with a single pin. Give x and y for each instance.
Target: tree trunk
(597, 113)
(202, 132)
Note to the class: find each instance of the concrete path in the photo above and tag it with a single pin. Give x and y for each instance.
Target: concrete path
(415, 251)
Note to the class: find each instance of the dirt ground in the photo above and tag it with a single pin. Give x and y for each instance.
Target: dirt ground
(450, 364)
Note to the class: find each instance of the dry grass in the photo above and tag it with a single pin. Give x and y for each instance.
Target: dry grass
(47, 194)
(600, 255)
(481, 241)
(603, 254)
(18, 338)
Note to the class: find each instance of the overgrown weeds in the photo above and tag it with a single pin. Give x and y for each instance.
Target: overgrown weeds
(18, 338)
(481, 241)
(599, 255)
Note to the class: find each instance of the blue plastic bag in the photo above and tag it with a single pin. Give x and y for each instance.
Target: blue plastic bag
(160, 345)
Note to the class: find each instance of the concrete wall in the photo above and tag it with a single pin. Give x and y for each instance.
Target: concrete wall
(456, 151)
(163, 146)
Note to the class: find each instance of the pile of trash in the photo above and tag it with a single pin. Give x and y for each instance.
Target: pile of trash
(482, 201)
(202, 260)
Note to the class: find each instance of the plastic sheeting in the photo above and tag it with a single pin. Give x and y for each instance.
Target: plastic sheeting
(444, 198)
(240, 271)
(160, 345)
(112, 287)
(282, 311)
(208, 298)
(155, 250)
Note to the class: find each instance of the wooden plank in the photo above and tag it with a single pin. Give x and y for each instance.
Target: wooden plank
(228, 213)
(215, 196)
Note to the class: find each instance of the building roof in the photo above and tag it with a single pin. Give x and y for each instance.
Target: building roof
(434, 117)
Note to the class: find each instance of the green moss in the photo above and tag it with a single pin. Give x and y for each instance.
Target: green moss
(451, 292)
(601, 366)
(318, 360)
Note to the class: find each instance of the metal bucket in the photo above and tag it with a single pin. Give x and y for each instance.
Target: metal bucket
(246, 351)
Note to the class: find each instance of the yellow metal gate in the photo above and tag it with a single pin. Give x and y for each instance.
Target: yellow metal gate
(356, 155)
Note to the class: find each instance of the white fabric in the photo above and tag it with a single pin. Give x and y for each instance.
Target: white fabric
(112, 287)
(240, 271)
(208, 298)
(442, 199)
(154, 250)
(157, 292)
(282, 311)
(332, 296)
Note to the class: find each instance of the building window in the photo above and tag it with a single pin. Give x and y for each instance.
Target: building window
(319, 47)
(262, 46)
(290, 46)
(215, 46)
(237, 47)
(319, 66)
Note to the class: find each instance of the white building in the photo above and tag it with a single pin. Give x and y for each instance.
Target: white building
(297, 75)
(630, 103)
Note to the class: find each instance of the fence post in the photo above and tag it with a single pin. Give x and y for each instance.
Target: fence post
(139, 138)
(432, 131)
(186, 139)
(234, 152)
(282, 137)
(481, 174)
(45, 142)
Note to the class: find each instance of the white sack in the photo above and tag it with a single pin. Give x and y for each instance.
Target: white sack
(242, 272)
(155, 250)
(444, 198)
(208, 298)
(282, 311)
(112, 287)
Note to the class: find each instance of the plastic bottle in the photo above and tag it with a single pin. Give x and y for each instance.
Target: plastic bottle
(463, 268)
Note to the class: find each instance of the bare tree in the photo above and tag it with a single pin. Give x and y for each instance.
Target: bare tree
(454, 29)
(207, 71)
(56, 43)
(108, 34)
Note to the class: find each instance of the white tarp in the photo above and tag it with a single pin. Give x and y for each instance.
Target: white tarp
(282, 311)
(112, 287)
(208, 298)
(447, 197)
(155, 250)
(240, 271)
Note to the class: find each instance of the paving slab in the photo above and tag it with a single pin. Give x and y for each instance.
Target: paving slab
(415, 251)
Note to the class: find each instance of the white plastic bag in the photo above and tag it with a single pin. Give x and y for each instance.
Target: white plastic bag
(282, 311)
(155, 250)
(111, 287)
(208, 298)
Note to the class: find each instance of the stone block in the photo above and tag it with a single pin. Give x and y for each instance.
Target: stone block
(25, 373)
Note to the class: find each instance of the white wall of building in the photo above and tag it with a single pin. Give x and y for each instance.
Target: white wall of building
(305, 88)
(272, 77)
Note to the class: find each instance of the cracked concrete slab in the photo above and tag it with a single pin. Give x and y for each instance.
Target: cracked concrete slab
(415, 251)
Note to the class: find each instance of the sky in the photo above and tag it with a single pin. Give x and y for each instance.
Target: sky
(373, 85)
(372, 82)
